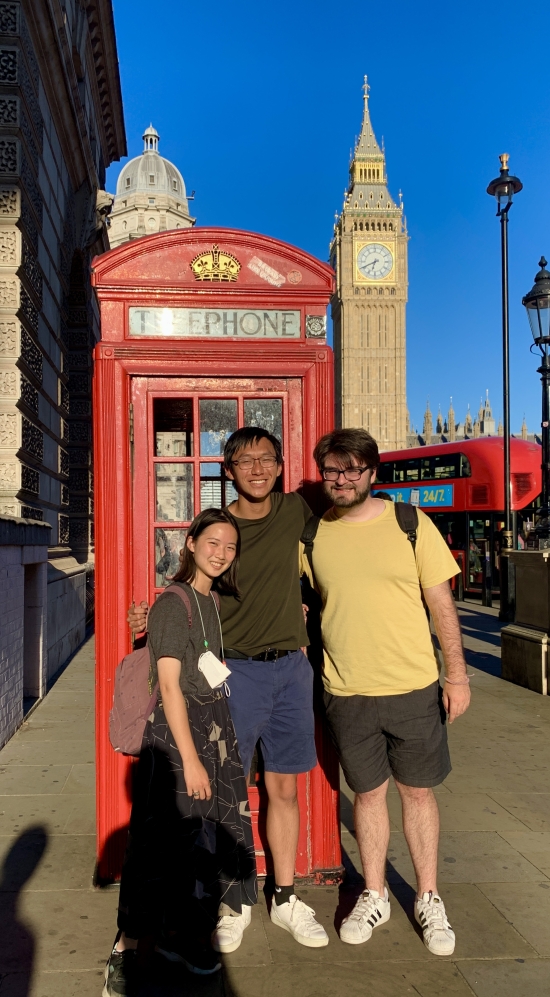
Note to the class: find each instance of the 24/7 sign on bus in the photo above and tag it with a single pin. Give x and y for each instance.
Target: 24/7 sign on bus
(429, 497)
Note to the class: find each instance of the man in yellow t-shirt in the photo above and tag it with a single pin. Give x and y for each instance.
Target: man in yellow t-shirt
(385, 708)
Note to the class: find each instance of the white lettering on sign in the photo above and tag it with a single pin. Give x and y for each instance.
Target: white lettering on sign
(266, 272)
(215, 323)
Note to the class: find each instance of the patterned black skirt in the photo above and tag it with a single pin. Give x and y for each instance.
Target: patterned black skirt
(187, 858)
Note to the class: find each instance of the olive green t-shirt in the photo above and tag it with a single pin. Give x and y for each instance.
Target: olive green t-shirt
(269, 611)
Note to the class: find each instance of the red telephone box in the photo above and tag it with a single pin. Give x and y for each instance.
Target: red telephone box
(203, 331)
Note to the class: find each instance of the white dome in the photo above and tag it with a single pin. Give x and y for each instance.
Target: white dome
(150, 172)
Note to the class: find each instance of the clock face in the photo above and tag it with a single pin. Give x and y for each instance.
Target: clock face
(374, 261)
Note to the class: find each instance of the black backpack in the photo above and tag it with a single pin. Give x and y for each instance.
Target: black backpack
(406, 515)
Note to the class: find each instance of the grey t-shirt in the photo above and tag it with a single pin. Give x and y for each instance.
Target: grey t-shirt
(169, 636)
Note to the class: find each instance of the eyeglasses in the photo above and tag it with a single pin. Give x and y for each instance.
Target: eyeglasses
(350, 473)
(245, 463)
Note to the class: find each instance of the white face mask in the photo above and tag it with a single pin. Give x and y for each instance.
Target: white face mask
(214, 670)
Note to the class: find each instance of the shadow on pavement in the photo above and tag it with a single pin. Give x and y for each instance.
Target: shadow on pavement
(484, 662)
(354, 883)
(164, 979)
(404, 893)
(483, 627)
(17, 944)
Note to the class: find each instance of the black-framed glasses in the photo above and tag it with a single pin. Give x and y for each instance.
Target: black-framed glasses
(350, 473)
(245, 463)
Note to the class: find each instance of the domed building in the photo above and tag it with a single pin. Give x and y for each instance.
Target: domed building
(150, 196)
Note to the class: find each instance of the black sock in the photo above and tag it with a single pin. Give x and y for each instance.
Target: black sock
(283, 894)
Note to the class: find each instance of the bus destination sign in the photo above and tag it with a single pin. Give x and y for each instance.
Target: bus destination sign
(215, 323)
(428, 497)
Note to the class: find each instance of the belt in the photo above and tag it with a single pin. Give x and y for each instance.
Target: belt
(270, 654)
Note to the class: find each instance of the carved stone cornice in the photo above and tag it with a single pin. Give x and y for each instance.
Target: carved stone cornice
(103, 41)
(53, 51)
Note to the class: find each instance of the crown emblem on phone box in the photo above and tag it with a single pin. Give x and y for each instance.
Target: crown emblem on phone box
(215, 265)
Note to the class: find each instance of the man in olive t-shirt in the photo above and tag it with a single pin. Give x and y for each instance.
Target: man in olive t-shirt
(271, 681)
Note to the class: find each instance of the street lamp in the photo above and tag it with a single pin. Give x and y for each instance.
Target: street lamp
(537, 303)
(504, 188)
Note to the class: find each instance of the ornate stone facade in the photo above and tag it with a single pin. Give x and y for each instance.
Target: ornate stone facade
(61, 125)
(150, 196)
(369, 255)
(447, 429)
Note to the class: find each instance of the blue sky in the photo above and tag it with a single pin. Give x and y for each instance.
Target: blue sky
(258, 105)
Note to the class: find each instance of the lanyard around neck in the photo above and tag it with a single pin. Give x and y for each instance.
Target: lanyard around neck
(202, 621)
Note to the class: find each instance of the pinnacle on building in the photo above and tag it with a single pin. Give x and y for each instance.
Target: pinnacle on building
(451, 431)
(369, 256)
(451, 425)
(150, 195)
(427, 426)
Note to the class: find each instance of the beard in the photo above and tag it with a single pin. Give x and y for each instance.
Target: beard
(349, 498)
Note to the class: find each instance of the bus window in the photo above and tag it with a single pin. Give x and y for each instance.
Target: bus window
(426, 469)
(436, 468)
(384, 474)
(445, 468)
(406, 470)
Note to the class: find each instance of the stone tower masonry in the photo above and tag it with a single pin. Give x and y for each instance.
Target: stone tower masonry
(369, 255)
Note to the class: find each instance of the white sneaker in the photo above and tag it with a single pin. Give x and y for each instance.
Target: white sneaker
(439, 937)
(370, 910)
(229, 930)
(297, 918)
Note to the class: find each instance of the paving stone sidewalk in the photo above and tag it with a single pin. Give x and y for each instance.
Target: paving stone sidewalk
(56, 930)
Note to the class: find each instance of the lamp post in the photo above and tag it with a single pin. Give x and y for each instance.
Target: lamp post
(503, 188)
(537, 303)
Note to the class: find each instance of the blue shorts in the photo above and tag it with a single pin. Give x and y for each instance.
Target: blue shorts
(272, 702)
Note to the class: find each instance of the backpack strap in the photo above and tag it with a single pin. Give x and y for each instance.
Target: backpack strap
(177, 590)
(407, 519)
(309, 533)
(184, 598)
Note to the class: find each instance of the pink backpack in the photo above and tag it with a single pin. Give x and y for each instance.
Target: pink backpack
(132, 701)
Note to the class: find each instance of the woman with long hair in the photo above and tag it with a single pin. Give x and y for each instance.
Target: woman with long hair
(189, 878)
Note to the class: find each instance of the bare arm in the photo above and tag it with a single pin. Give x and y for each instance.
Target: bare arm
(456, 691)
(137, 617)
(194, 772)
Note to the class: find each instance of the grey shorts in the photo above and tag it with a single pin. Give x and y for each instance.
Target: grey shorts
(378, 736)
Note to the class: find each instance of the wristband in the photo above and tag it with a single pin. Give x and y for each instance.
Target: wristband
(465, 681)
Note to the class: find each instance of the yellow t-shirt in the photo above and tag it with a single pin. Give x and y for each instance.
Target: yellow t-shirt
(375, 630)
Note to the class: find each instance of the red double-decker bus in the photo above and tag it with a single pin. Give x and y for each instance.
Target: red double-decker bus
(461, 486)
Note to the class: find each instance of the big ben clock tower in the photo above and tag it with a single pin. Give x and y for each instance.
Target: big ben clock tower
(369, 255)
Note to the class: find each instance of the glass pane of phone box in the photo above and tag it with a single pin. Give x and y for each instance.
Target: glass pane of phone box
(168, 544)
(216, 490)
(174, 492)
(173, 427)
(267, 413)
(218, 417)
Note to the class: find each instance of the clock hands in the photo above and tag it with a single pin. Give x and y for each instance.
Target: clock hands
(375, 266)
